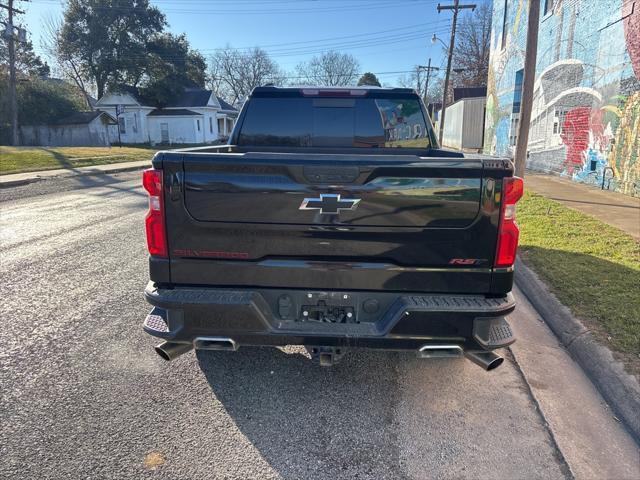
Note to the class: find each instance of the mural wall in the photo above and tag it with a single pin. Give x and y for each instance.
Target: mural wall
(585, 122)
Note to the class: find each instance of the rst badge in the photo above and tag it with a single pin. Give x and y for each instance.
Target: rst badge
(329, 203)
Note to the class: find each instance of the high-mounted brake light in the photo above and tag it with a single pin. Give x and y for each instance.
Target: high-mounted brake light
(334, 92)
(508, 231)
(154, 221)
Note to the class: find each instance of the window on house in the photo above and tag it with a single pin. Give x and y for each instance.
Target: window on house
(210, 124)
(198, 122)
(548, 6)
(135, 123)
(220, 126)
(505, 17)
(517, 91)
(122, 125)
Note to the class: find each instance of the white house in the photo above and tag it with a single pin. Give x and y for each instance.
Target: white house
(197, 116)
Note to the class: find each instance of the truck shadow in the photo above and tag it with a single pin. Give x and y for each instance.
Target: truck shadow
(309, 421)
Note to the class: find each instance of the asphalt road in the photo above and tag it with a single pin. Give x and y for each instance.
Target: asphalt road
(84, 395)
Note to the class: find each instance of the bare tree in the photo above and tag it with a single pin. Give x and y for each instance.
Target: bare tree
(67, 64)
(417, 79)
(436, 86)
(235, 73)
(329, 69)
(471, 52)
(408, 80)
(411, 80)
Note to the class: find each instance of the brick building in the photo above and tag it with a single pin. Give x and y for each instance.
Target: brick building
(585, 122)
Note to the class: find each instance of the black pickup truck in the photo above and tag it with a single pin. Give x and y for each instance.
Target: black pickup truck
(332, 220)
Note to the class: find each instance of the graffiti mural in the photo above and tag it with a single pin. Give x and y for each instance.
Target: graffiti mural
(585, 121)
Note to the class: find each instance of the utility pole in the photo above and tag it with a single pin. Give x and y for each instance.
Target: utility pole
(13, 102)
(428, 68)
(527, 88)
(456, 7)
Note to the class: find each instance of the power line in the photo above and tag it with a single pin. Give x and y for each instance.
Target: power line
(396, 29)
(308, 50)
(269, 10)
(455, 7)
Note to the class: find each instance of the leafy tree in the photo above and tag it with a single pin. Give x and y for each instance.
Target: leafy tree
(105, 40)
(40, 101)
(170, 67)
(28, 63)
(329, 69)
(369, 79)
(234, 73)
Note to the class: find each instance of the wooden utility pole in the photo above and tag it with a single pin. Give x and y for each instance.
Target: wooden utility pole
(13, 102)
(527, 88)
(455, 7)
(428, 68)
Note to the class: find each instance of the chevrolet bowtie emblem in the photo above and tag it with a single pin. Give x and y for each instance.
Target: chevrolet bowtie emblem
(329, 203)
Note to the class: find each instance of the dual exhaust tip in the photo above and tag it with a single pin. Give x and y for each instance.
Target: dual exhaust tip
(172, 350)
(487, 360)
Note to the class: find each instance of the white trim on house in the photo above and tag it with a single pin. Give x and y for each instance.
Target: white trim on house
(136, 125)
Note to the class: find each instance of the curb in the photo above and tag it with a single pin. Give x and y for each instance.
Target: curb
(47, 175)
(619, 389)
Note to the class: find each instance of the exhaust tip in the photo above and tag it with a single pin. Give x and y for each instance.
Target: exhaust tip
(215, 343)
(170, 351)
(440, 351)
(487, 360)
(160, 351)
(495, 363)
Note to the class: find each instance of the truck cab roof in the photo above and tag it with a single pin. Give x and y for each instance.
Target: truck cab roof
(362, 91)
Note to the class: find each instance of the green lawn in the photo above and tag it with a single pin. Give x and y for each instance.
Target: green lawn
(31, 159)
(593, 268)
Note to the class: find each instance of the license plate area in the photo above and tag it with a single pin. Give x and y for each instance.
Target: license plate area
(328, 307)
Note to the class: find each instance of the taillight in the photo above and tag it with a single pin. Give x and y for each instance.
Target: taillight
(154, 221)
(508, 231)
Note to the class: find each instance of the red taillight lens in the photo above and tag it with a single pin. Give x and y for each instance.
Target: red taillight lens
(508, 231)
(154, 221)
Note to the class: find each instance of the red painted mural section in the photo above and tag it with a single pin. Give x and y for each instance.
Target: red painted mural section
(579, 124)
(575, 135)
(631, 15)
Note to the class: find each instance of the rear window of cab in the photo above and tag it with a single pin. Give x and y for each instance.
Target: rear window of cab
(334, 122)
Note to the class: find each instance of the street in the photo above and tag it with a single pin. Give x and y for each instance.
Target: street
(84, 395)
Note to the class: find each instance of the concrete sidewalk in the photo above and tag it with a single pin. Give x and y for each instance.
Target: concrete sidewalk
(621, 211)
(29, 177)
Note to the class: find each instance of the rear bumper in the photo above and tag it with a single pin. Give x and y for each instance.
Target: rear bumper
(381, 320)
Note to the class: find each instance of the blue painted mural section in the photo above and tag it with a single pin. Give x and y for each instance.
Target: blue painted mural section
(585, 118)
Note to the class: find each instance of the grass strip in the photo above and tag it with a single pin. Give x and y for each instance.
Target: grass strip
(593, 268)
(33, 159)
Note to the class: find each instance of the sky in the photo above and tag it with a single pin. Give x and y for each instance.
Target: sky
(388, 37)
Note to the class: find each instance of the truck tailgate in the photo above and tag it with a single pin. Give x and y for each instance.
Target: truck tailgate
(395, 222)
